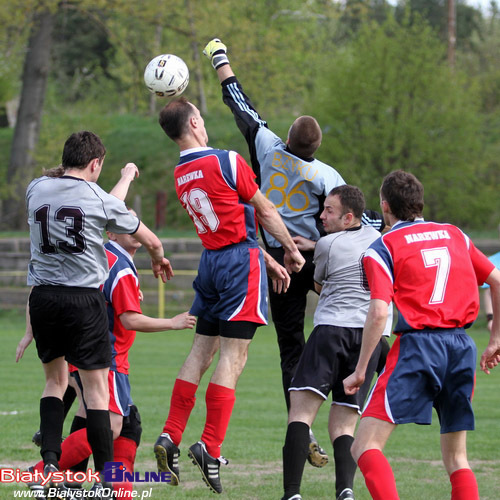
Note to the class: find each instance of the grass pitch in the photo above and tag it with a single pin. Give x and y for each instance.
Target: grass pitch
(256, 433)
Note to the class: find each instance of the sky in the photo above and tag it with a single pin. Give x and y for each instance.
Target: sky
(484, 5)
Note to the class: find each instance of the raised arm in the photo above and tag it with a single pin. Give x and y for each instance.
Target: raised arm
(160, 265)
(246, 116)
(128, 173)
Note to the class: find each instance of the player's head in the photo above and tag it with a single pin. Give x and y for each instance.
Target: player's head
(404, 195)
(304, 137)
(126, 241)
(81, 148)
(343, 208)
(180, 119)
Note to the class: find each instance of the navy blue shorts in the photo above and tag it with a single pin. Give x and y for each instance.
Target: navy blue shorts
(231, 285)
(425, 369)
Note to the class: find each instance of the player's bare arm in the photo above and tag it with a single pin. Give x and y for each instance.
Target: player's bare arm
(128, 173)
(160, 265)
(133, 320)
(376, 320)
(271, 221)
(27, 339)
(491, 356)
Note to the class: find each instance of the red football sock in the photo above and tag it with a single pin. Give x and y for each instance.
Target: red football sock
(181, 404)
(74, 449)
(464, 485)
(378, 475)
(220, 401)
(124, 450)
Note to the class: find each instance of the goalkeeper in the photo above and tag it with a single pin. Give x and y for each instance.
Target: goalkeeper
(297, 183)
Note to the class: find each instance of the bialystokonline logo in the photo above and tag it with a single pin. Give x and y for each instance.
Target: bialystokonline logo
(116, 472)
(37, 477)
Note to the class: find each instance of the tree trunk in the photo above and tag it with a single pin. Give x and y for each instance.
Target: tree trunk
(452, 36)
(202, 102)
(26, 134)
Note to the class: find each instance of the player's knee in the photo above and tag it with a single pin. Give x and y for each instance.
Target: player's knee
(132, 428)
(357, 449)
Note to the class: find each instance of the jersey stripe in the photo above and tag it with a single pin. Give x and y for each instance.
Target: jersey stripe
(119, 275)
(241, 103)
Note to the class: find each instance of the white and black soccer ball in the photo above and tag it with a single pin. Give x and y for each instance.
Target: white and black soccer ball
(166, 75)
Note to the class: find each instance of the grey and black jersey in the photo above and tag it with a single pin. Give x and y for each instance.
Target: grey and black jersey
(297, 186)
(67, 217)
(345, 296)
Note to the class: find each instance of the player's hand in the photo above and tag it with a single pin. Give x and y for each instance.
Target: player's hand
(304, 244)
(293, 261)
(162, 269)
(23, 344)
(490, 358)
(279, 276)
(183, 321)
(141, 295)
(130, 171)
(353, 383)
(216, 51)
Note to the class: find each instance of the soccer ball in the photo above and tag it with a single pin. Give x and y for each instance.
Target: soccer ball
(166, 75)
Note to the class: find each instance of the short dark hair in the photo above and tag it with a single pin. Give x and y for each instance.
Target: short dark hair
(81, 148)
(304, 136)
(174, 117)
(404, 193)
(351, 199)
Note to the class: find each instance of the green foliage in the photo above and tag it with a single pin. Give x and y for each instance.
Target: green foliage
(383, 93)
(389, 101)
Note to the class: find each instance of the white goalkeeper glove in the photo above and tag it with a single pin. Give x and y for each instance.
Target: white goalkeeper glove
(216, 52)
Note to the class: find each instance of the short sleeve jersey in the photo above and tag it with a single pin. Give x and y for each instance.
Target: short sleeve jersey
(338, 260)
(431, 271)
(121, 291)
(215, 187)
(67, 217)
(495, 259)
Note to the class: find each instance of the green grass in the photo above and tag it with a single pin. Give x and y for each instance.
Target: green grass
(257, 429)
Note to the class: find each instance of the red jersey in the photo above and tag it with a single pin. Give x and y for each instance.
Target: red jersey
(121, 291)
(215, 187)
(431, 271)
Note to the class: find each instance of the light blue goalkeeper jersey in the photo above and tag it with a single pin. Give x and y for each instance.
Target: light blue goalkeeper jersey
(297, 186)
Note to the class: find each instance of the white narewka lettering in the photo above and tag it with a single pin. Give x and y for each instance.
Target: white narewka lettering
(191, 176)
(441, 234)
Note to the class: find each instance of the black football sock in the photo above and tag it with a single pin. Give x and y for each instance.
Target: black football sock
(100, 437)
(68, 398)
(294, 456)
(77, 424)
(51, 427)
(345, 466)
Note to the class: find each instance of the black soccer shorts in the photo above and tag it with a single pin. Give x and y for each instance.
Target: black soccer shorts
(71, 322)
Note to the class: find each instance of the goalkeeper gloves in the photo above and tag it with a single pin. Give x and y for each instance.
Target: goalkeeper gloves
(216, 52)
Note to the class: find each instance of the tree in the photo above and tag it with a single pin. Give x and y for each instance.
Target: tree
(26, 133)
(392, 102)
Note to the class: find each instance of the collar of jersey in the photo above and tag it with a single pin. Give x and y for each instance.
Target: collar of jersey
(193, 150)
(408, 222)
(123, 252)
